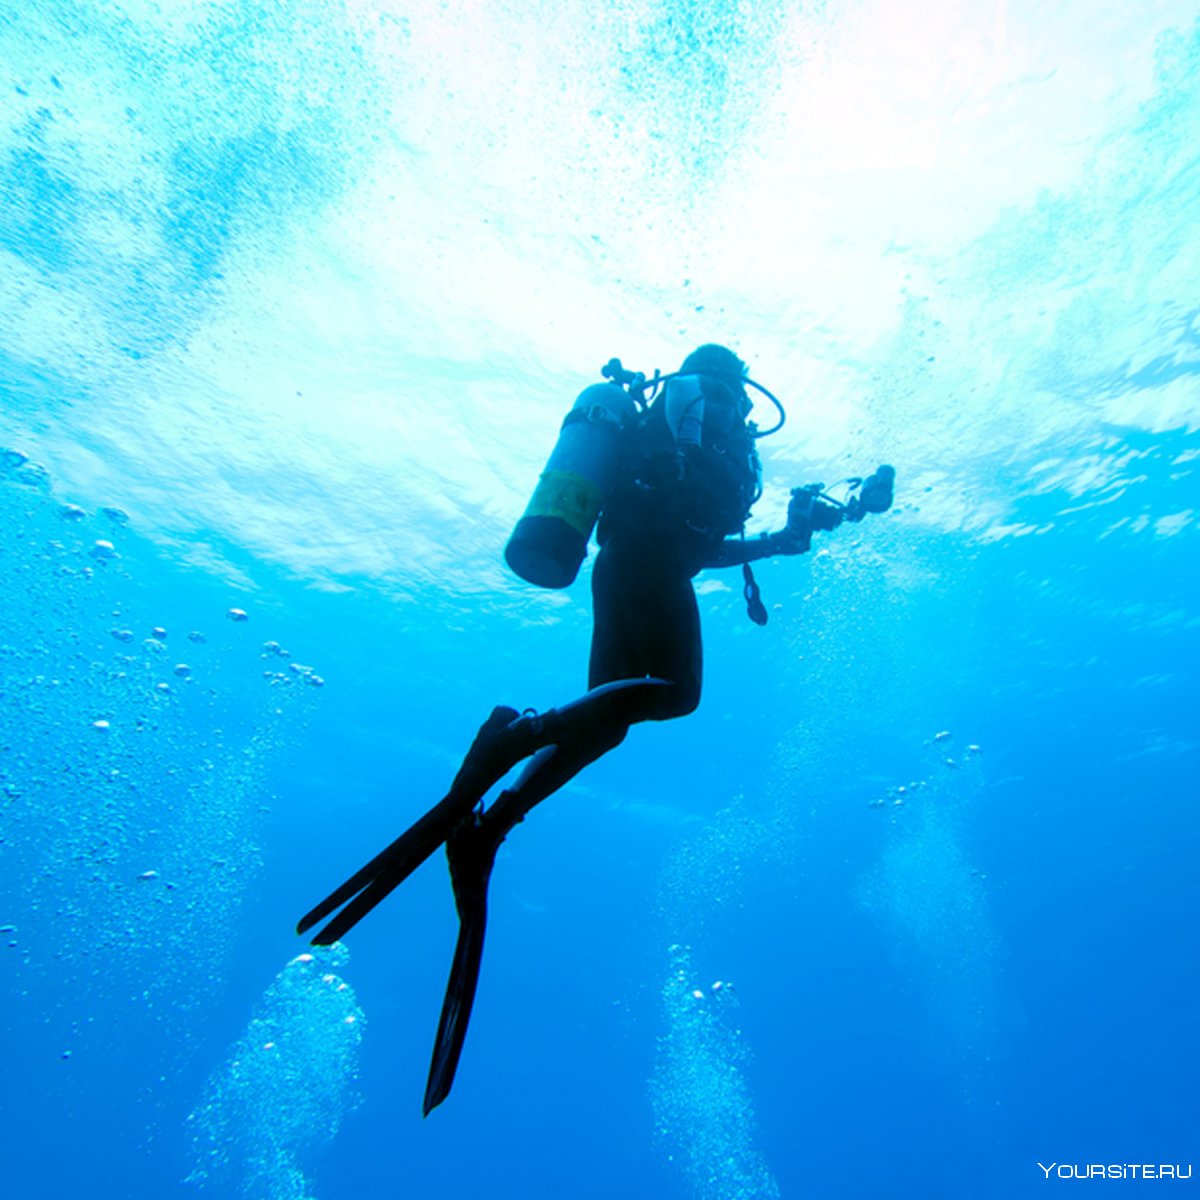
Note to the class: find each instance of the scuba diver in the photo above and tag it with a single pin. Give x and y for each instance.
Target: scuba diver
(669, 468)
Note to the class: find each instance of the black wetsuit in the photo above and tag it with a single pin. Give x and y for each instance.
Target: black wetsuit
(684, 489)
(646, 624)
(667, 518)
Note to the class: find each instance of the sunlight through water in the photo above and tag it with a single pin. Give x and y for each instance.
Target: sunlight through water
(294, 296)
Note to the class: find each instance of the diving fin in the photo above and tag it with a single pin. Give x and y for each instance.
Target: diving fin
(482, 767)
(471, 854)
(387, 870)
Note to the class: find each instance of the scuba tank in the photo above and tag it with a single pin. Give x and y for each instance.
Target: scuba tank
(550, 541)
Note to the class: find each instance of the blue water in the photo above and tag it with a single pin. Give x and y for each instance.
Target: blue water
(292, 298)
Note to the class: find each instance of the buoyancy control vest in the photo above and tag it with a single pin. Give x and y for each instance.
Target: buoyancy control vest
(688, 463)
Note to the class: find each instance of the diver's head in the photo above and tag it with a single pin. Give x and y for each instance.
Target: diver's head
(721, 365)
(711, 359)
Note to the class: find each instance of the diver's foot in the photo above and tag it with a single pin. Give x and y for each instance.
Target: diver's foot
(471, 853)
(503, 740)
(502, 716)
(481, 763)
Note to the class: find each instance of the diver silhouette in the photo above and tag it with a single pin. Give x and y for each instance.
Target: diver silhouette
(670, 470)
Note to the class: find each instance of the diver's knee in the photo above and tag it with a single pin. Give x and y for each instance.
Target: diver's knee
(615, 735)
(682, 701)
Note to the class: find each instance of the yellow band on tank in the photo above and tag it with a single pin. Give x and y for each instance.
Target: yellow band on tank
(568, 496)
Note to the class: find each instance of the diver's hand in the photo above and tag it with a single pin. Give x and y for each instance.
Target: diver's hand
(824, 515)
(807, 512)
(808, 509)
(796, 536)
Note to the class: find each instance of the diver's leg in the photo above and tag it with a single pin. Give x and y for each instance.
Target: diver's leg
(646, 623)
(502, 742)
(545, 773)
(573, 736)
(582, 731)
(598, 722)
